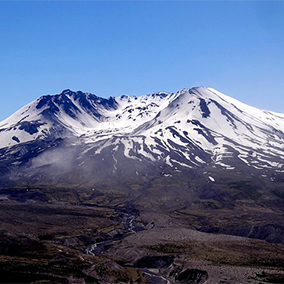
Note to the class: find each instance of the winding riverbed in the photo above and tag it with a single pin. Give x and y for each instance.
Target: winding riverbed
(130, 224)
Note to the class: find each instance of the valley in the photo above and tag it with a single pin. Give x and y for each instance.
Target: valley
(54, 242)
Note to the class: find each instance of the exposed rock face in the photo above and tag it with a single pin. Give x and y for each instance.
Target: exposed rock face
(192, 276)
(268, 232)
(154, 262)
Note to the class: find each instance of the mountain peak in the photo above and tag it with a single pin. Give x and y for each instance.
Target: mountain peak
(67, 92)
(189, 128)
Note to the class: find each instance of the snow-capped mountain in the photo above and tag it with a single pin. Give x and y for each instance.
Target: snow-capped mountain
(79, 114)
(184, 130)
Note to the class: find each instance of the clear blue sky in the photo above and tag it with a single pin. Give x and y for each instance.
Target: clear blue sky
(114, 47)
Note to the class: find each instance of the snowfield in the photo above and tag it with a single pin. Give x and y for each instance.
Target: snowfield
(188, 128)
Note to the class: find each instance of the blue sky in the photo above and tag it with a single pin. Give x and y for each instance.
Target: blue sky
(137, 47)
